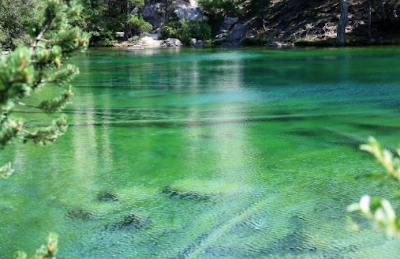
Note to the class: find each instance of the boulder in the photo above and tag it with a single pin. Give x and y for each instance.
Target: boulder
(148, 42)
(154, 35)
(277, 44)
(199, 44)
(228, 23)
(186, 10)
(135, 47)
(171, 43)
(237, 33)
(274, 45)
(220, 38)
(136, 37)
(192, 41)
(154, 13)
(120, 34)
(229, 44)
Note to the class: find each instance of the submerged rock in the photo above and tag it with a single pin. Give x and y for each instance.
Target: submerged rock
(131, 221)
(194, 189)
(106, 197)
(80, 214)
(185, 195)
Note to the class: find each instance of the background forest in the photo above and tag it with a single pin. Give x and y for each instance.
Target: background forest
(238, 22)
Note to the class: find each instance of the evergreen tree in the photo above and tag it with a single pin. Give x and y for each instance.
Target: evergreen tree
(29, 68)
(48, 251)
(135, 22)
(16, 19)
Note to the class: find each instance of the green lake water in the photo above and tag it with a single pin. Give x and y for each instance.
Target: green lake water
(214, 153)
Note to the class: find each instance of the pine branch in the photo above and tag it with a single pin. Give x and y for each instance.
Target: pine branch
(48, 251)
(56, 104)
(39, 64)
(6, 170)
(40, 35)
(9, 129)
(27, 105)
(45, 136)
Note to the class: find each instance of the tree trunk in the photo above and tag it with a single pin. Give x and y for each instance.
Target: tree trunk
(128, 12)
(341, 28)
(382, 7)
(369, 19)
(166, 16)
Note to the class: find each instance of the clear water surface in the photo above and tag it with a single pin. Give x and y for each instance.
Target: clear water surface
(214, 153)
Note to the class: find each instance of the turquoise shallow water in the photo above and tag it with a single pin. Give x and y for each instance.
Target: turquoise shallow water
(213, 153)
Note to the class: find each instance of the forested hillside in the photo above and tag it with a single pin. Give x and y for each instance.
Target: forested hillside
(219, 22)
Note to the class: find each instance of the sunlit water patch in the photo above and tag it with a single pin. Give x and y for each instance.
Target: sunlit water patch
(211, 153)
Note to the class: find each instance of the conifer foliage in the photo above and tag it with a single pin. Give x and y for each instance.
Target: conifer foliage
(48, 251)
(30, 68)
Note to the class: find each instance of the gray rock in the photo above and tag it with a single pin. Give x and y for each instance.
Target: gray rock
(187, 10)
(228, 44)
(220, 36)
(274, 45)
(192, 41)
(154, 13)
(148, 42)
(106, 197)
(184, 195)
(171, 43)
(230, 20)
(237, 33)
(119, 34)
(228, 23)
(135, 11)
(220, 40)
(154, 35)
(199, 44)
(277, 44)
(135, 47)
(80, 214)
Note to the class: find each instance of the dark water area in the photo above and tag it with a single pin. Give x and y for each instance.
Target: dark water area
(213, 153)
